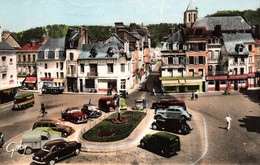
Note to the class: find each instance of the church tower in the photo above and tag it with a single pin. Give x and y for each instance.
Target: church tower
(190, 15)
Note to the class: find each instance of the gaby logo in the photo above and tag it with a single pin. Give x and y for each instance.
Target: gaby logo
(11, 147)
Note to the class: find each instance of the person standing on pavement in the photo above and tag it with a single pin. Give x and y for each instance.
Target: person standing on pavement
(228, 120)
(42, 109)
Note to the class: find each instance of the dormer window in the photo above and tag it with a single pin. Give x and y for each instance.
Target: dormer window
(239, 48)
(46, 52)
(93, 52)
(110, 51)
(56, 54)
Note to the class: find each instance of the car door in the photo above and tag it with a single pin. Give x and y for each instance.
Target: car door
(44, 139)
(63, 151)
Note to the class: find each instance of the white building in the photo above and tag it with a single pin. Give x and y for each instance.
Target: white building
(8, 72)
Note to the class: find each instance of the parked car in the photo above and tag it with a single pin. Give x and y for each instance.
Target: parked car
(55, 125)
(35, 139)
(23, 101)
(107, 103)
(91, 110)
(75, 115)
(173, 112)
(165, 143)
(172, 125)
(55, 150)
(1, 139)
(140, 104)
(165, 103)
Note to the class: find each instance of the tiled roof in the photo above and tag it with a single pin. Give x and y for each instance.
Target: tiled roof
(226, 22)
(53, 44)
(5, 46)
(231, 42)
(101, 50)
(31, 46)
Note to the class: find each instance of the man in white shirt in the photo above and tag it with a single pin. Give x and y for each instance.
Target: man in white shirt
(228, 120)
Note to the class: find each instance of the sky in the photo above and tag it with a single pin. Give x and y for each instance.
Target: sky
(19, 15)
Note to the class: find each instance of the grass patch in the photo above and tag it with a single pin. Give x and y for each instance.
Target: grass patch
(121, 131)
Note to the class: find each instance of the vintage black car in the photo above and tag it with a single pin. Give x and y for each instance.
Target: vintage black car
(175, 126)
(55, 125)
(55, 150)
(164, 143)
(91, 111)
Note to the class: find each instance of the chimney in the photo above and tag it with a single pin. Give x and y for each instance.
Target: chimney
(119, 25)
(132, 27)
(0, 34)
(45, 38)
(86, 35)
(146, 34)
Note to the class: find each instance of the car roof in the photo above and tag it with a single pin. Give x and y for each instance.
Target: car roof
(71, 108)
(166, 135)
(53, 142)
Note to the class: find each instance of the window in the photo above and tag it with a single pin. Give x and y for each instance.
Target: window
(110, 68)
(61, 65)
(250, 47)
(250, 69)
(122, 67)
(49, 75)
(242, 60)
(191, 72)
(235, 60)
(241, 70)
(57, 65)
(82, 68)
(11, 61)
(72, 68)
(29, 58)
(191, 60)
(170, 60)
(235, 70)
(123, 84)
(29, 68)
(223, 82)
(201, 59)
(34, 58)
(71, 56)
(201, 72)
(170, 46)
(89, 83)
(250, 59)
(19, 58)
(46, 75)
(55, 83)
(3, 76)
(61, 75)
(57, 74)
(24, 58)
(44, 138)
(201, 46)
(46, 66)
(56, 54)
(46, 52)
(211, 82)
(189, 17)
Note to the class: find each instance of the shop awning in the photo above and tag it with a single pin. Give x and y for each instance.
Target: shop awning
(47, 78)
(217, 77)
(30, 80)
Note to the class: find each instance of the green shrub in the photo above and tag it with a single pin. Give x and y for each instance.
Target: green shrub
(122, 130)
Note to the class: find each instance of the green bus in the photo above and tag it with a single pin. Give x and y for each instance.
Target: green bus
(24, 101)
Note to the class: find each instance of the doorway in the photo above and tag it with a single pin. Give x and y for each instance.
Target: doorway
(217, 85)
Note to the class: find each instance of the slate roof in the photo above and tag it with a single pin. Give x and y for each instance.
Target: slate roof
(5, 46)
(101, 50)
(177, 37)
(231, 41)
(115, 39)
(226, 22)
(54, 43)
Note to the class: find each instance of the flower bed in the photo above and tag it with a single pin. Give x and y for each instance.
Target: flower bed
(106, 133)
(118, 121)
(128, 112)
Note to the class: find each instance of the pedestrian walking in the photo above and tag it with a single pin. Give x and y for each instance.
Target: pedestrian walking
(228, 120)
(90, 101)
(196, 95)
(42, 109)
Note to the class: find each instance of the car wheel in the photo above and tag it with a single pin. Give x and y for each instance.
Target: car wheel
(154, 126)
(52, 162)
(143, 144)
(28, 150)
(77, 151)
(65, 134)
(164, 152)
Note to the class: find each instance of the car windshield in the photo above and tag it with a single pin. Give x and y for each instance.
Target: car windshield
(46, 148)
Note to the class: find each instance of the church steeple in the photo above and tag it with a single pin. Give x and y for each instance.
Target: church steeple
(190, 15)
